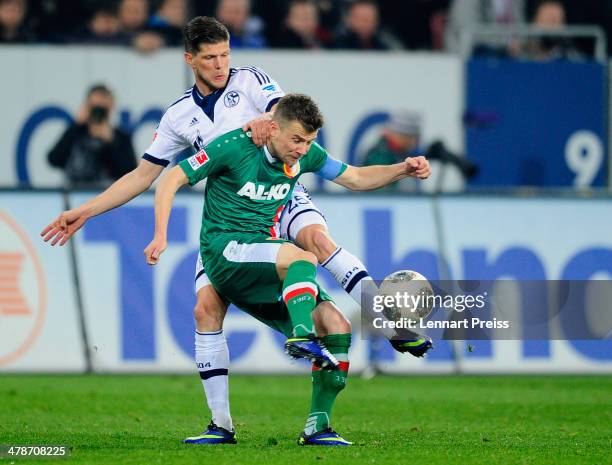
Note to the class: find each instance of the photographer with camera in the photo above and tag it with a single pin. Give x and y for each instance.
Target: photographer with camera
(401, 137)
(91, 151)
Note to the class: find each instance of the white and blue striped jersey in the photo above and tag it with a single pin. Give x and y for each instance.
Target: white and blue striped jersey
(194, 120)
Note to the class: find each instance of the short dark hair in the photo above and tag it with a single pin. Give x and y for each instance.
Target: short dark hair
(301, 108)
(203, 30)
(102, 88)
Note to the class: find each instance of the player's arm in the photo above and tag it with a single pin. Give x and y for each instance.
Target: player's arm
(364, 178)
(166, 144)
(121, 191)
(164, 197)
(194, 169)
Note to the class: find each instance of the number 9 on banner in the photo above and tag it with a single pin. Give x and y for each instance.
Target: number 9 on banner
(584, 154)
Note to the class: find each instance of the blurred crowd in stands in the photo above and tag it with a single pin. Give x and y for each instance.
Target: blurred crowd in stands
(149, 25)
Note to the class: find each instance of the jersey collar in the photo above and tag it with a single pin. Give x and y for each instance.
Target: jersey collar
(269, 157)
(290, 172)
(207, 103)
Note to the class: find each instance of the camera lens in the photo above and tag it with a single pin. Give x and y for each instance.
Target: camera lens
(98, 114)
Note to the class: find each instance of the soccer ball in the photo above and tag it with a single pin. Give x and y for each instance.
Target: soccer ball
(406, 294)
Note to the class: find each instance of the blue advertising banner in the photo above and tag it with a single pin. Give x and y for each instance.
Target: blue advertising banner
(141, 317)
(537, 124)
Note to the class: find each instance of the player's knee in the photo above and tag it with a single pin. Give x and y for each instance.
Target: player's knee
(290, 254)
(304, 255)
(207, 319)
(208, 315)
(318, 241)
(199, 312)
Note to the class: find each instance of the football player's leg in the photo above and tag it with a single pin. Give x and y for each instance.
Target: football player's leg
(298, 270)
(303, 223)
(311, 233)
(251, 271)
(345, 267)
(211, 352)
(334, 331)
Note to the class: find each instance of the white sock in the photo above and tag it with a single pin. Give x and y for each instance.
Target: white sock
(350, 272)
(212, 360)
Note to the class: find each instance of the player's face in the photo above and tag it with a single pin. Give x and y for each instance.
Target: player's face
(290, 141)
(210, 66)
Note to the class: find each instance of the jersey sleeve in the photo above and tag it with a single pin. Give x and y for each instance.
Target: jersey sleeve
(323, 164)
(166, 145)
(263, 91)
(207, 162)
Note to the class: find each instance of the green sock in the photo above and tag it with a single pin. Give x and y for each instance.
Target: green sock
(300, 291)
(327, 384)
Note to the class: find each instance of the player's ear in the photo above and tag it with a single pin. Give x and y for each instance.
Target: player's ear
(274, 128)
(188, 58)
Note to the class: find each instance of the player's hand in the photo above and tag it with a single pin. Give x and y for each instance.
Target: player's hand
(417, 167)
(64, 227)
(260, 129)
(153, 251)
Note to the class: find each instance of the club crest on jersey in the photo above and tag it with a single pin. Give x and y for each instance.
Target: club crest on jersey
(258, 191)
(231, 99)
(198, 160)
(291, 171)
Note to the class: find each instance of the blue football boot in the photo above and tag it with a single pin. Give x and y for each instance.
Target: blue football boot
(326, 437)
(311, 349)
(415, 344)
(213, 435)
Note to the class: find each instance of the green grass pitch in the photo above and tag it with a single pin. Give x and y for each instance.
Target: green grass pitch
(392, 420)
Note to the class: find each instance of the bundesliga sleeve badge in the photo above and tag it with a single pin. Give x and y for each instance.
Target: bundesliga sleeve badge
(198, 160)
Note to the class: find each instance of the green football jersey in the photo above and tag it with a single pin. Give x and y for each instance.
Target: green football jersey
(247, 188)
